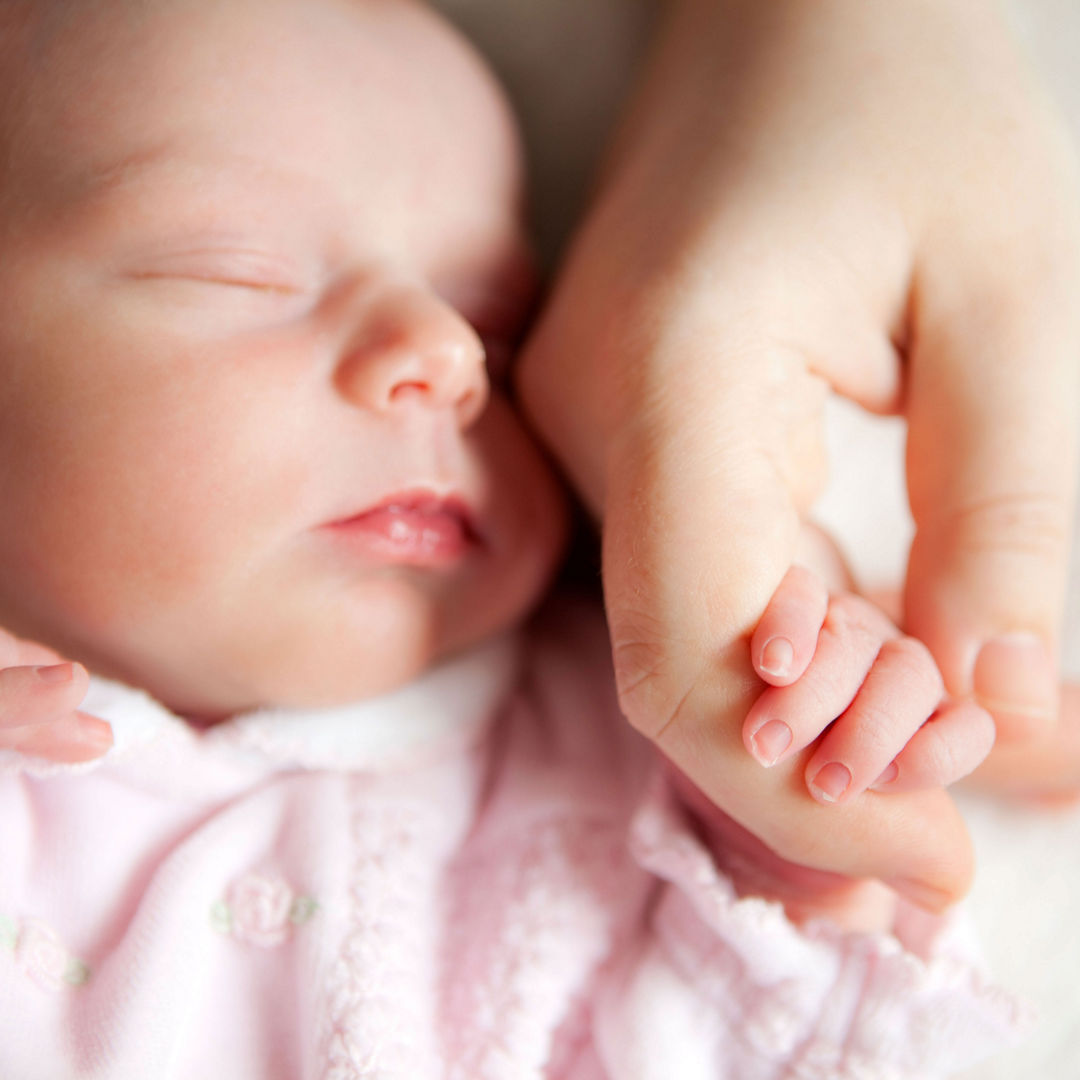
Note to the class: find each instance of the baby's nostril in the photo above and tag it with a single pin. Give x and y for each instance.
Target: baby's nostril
(409, 389)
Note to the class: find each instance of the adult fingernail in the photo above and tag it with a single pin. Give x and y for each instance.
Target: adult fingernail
(770, 741)
(1015, 677)
(777, 656)
(831, 782)
(56, 673)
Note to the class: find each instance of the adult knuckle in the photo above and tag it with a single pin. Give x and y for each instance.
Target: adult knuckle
(1027, 524)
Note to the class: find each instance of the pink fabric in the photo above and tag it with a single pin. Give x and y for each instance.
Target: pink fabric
(304, 897)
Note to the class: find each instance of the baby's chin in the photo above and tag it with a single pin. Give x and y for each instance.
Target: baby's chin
(280, 688)
(312, 676)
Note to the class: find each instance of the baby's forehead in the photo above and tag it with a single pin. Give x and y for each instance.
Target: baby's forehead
(412, 157)
(39, 45)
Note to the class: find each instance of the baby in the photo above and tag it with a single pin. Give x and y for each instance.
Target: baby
(354, 824)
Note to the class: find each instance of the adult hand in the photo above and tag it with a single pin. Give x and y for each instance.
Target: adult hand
(810, 194)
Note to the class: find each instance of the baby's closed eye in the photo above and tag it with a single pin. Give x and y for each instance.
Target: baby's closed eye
(260, 271)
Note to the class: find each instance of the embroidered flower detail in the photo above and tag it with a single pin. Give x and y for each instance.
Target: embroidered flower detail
(45, 958)
(261, 909)
(302, 909)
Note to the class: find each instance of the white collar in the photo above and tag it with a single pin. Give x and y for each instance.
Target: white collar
(446, 706)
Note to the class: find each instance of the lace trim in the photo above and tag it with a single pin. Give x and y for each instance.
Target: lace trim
(549, 904)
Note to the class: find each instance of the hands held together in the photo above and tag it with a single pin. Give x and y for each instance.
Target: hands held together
(880, 201)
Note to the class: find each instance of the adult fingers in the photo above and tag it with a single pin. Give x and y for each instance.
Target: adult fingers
(992, 410)
(1046, 767)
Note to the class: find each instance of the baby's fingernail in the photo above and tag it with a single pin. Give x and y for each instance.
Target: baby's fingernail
(925, 896)
(95, 733)
(777, 657)
(56, 673)
(770, 741)
(892, 771)
(1014, 676)
(831, 782)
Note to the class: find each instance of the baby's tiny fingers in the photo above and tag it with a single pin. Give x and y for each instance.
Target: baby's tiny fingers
(35, 695)
(784, 641)
(38, 714)
(951, 744)
(784, 719)
(67, 740)
(901, 690)
(18, 652)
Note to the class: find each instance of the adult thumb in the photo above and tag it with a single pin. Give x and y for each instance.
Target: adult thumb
(992, 413)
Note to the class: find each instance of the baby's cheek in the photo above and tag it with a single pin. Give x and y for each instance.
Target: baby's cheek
(528, 508)
(111, 530)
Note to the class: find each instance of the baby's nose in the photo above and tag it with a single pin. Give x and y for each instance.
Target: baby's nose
(411, 348)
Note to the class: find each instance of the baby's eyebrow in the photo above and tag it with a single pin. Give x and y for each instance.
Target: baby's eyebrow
(115, 173)
(214, 163)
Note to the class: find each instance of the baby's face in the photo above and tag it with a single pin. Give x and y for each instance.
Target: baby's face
(247, 251)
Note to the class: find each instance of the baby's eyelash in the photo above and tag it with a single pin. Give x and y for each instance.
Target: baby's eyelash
(234, 269)
(234, 283)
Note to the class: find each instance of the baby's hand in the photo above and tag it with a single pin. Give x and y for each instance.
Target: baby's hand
(840, 672)
(39, 697)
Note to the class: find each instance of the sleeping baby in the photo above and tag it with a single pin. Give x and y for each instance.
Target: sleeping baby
(345, 797)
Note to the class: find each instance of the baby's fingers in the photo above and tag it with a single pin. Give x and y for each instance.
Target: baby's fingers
(901, 690)
(784, 719)
(951, 744)
(67, 741)
(38, 717)
(18, 652)
(784, 641)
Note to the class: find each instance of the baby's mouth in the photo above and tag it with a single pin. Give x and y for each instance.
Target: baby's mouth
(413, 529)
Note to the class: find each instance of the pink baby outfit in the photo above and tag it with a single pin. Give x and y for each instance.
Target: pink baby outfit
(483, 876)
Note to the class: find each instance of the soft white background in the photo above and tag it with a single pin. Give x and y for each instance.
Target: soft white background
(567, 63)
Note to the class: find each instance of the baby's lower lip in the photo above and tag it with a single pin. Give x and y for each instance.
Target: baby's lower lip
(419, 534)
